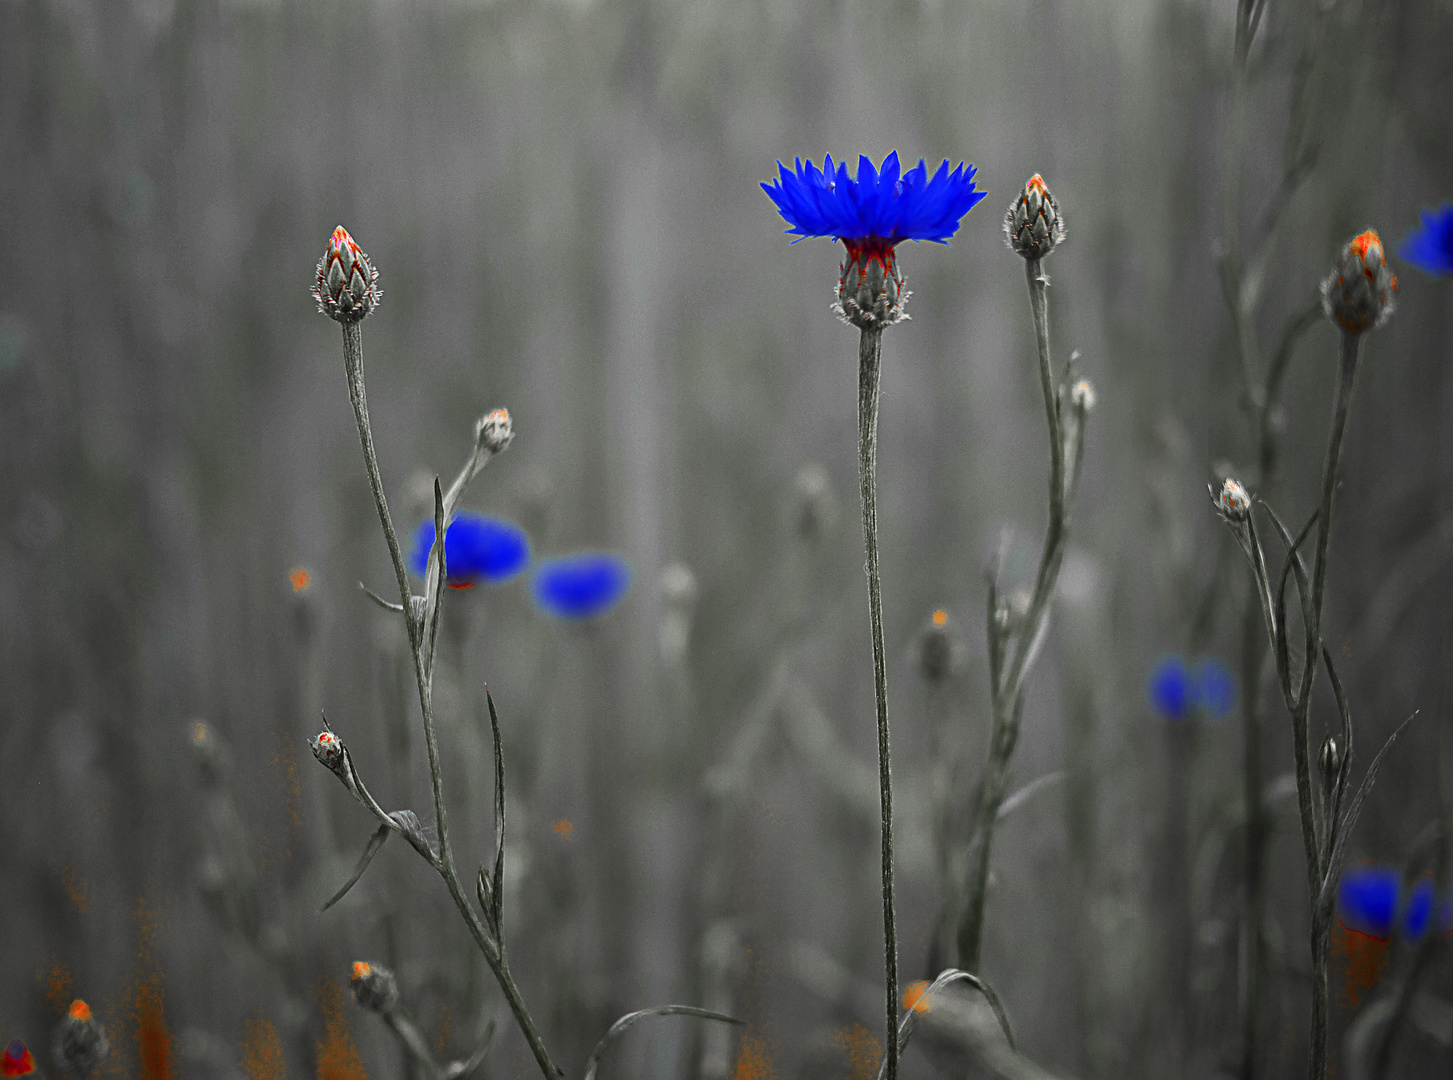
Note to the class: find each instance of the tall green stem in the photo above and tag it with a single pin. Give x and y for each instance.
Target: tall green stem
(870, 351)
(353, 365)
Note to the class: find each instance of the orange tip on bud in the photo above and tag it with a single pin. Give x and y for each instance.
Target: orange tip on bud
(940, 618)
(79, 1010)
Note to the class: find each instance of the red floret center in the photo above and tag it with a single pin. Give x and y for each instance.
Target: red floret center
(862, 249)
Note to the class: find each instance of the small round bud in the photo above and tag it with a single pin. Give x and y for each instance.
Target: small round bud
(938, 648)
(17, 1060)
(347, 287)
(817, 505)
(1330, 760)
(328, 749)
(80, 1043)
(678, 585)
(1033, 226)
(494, 431)
(871, 290)
(1232, 502)
(1357, 295)
(211, 754)
(1082, 397)
(374, 987)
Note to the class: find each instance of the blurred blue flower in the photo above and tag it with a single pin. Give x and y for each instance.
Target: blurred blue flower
(887, 205)
(583, 586)
(1171, 689)
(476, 548)
(1418, 912)
(1430, 246)
(1216, 688)
(1367, 899)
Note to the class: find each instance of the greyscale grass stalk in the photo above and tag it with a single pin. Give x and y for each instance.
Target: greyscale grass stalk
(1007, 684)
(419, 640)
(870, 352)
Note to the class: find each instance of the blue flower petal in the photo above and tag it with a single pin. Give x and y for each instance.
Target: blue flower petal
(1216, 688)
(1418, 910)
(1367, 899)
(890, 204)
(1171, 689)
(1430, 246)
(476, 548)
(581, 587)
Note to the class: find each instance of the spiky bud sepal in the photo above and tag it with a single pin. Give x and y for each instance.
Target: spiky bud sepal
(1033, 225)
(347, 287)
(1357, 295)
(374, 987)
(871, 289)
(1232, 501)
(80, 1042)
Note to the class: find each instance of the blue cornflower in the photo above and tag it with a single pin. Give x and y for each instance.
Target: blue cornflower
(1171, 688)
(1367, 899)
(1215, 688)
(878, 205)
(581, 587)
(871, 214)
(476, 548)
(1430, 246)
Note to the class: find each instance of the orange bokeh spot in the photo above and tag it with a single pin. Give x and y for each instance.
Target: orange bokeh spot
(1362, 958)
(262, 1051)
(300, 578)
(916, 996)
(337, 1054)
(754, 1061)
(863, 1050)
(79, 1010)
(563, 828)
(361, 969)
(153, 1040)
(940, 618)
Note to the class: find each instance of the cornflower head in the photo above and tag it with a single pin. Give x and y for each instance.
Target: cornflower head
(577, 588)
(1033, 226)
(17, 1060)
(374, 987)
(1172, 688)
(476, 548)
(1232, 501)
(1357, 295)
(872, 214)
(1429, 247)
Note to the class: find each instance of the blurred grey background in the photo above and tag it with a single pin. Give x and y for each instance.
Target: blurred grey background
(561, 197)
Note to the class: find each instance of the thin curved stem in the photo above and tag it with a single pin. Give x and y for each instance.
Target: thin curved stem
(870, 351)
(353, 364)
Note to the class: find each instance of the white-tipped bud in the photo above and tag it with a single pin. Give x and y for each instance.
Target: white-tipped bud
(1082, 397)
(1232, 501)
(328, 749)
(80, 1043)
(494, 431)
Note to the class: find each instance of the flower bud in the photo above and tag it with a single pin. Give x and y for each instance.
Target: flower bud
(1330, 761)
(17, 1060)
(1033, 225)
(374, 987)
(1357, 295)
(816, 505)
(1232, 502)
(328, 749)
(938, 649)
(494, 431)
(347, 288)
(1082, 397)
(80, 1042)
(870, 291)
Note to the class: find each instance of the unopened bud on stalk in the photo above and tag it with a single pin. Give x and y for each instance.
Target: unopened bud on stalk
(328, 749)
(1357, 295)
(938, 648)
(347, 287)
(374, 987)
(1082, 397)
(1033, 225)
(1232, 502)
(1330, 761)
(80, 1042)
(494, 431)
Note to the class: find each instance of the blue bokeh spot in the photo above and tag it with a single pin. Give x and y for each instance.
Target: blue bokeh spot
(476, 548)
(581, 587)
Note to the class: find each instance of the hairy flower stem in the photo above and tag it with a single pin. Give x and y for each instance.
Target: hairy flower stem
(870, 352)
(444, 863)
(1318, 863)
(1007, 686)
